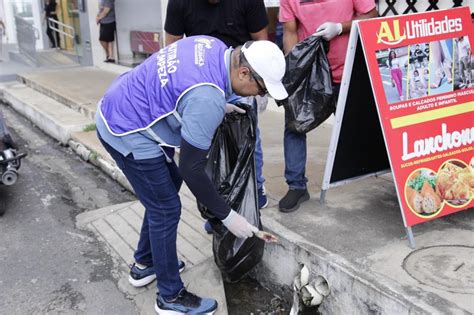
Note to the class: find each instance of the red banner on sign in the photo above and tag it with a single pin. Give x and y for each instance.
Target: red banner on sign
(421, 70)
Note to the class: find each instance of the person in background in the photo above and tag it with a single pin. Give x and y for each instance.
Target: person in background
(464, 60)
(177, 98)
(419, 53)
(426, 78)
(106, 19)
(2, 33)
(234, 22)
(417, 85)
(332, 21)
(51, 10)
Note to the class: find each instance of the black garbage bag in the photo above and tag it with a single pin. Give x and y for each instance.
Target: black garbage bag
(308, 82)
(231, 166)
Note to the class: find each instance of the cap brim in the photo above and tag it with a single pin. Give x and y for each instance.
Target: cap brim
(276, 90)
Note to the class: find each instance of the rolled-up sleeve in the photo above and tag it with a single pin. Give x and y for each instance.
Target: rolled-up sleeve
(202, 111)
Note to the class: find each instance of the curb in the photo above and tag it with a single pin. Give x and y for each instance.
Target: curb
(57, 96)
(351, 288)
(108, 167)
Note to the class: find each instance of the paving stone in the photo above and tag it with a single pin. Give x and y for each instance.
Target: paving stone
(204, 245)
(132, 218)
(187, 250)
(114, 240)
(127, 233)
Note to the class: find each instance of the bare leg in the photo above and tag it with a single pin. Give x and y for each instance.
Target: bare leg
(105, 46)
(110, 49)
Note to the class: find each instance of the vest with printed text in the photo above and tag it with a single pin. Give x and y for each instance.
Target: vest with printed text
(150, 92)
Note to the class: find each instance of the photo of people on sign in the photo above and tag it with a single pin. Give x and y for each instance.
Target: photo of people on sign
(424, 69)
(418, 70)
(393, 65)
(441, 67)
(463, 67)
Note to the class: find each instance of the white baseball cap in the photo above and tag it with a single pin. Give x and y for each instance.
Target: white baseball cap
(269, 63)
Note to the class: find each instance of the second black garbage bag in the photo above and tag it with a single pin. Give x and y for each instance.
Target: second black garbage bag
(308, 82)
(231, 166)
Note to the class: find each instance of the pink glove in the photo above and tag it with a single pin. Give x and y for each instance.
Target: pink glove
(329, 30)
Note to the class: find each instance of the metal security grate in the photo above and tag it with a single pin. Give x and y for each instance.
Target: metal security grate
(396, 7)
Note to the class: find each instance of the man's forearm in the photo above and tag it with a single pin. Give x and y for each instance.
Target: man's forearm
(103, 13)
(289, 41)
(346, 26)
(192, 163)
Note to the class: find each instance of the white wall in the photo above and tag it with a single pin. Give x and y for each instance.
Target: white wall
(98, 54)
(137, 15)
(38, 24)
(36, 19)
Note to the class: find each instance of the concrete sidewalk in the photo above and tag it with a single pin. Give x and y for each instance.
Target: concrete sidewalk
(356, 240)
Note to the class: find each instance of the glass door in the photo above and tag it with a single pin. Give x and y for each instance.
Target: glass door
(70, 17)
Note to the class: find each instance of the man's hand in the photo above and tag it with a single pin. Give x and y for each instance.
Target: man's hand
(230, 108)
(97, 20)
(329, 30)
(238, 225)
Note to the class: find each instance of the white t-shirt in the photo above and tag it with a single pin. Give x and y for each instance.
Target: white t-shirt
(395, 63)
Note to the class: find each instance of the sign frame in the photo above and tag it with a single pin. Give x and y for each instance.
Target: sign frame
(355, 39)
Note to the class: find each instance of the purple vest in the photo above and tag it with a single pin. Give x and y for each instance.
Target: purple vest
(139, 98)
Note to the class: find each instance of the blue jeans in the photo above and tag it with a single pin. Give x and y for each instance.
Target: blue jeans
(156, 184)
(294, 145)
(258, 155)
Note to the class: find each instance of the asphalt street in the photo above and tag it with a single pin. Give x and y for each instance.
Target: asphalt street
(46, 264)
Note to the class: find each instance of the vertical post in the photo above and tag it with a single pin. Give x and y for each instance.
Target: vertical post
(164, 6)
(322, 197)
(411, 239)
(341, 104)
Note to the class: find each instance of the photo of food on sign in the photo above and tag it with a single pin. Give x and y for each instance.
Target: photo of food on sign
(455, 182)
(420, 193)
(427, 192)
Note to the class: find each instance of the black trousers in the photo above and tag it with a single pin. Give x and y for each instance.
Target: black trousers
(54, 39)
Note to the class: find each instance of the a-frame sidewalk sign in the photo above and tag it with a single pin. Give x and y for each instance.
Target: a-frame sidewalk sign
(415, 73)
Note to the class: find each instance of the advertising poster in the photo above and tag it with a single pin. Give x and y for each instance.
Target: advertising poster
(421, 71)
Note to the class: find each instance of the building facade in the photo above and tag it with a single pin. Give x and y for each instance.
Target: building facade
(140, 24)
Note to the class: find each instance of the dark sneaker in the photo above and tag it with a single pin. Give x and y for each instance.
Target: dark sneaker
(185, 303)
(262, 198)
(293, 199)
(208, 227)
(141, 277)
